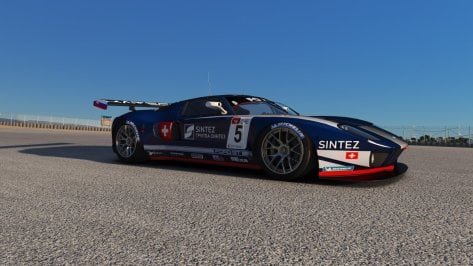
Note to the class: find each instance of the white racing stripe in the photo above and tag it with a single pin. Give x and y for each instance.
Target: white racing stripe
(363, 157)
(324, 164)
(377, 144)
(386, 135)
(306, 118)
(318, 120)
(203, 150)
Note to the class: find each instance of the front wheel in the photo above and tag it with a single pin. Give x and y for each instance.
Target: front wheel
(128, 145)
(285, 153)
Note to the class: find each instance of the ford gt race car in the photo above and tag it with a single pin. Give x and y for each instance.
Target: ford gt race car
(252, 132)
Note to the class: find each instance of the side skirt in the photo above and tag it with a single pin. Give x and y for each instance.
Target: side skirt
(207, 162)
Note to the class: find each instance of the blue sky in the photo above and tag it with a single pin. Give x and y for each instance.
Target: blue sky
(390, 62)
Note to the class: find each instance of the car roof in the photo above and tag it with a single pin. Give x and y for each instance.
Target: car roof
(222, 96)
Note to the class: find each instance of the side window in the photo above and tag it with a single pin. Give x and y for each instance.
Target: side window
(198, 108)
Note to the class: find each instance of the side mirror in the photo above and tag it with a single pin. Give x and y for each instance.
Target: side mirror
(216, 106)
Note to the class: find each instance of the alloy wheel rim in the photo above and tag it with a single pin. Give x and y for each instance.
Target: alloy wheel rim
(126, 141)
(282, 151)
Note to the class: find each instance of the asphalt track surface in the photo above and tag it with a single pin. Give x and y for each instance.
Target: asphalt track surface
(65, 199)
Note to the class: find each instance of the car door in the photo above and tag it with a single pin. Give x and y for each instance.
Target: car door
(201, 126)
(212, 135)
(203, 131)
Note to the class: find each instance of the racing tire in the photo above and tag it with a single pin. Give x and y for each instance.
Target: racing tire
(285, 153)
(127, 143)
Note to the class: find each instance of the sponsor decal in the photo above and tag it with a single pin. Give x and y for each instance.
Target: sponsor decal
(189, 131)
(238, 132)
(289, 125)
(155, 153)
(179, 154)
(197, 156)
(254, 99)
(208, 132)
(238, 159)
(231, 152)
(205, 129)
(165, 130)
(218, 158)
(338, 168)
(223, 151)
(236, 120)
(351, 155)
(134, 129)
(339, 145)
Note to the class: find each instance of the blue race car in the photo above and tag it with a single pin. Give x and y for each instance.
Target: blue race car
(252, 132)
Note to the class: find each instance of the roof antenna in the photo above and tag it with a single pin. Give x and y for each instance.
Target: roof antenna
(208, 81)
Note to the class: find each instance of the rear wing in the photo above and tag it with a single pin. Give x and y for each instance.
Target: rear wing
(104, 103)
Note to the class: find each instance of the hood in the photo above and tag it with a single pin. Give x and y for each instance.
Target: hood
(366, 126)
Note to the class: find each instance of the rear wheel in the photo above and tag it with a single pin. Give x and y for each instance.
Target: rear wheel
(285, 152)
(128, 145)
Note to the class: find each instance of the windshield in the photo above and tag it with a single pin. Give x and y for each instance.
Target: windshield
(258, 106)
(286, 108)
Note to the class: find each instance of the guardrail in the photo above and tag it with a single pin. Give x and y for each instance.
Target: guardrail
(50, 122)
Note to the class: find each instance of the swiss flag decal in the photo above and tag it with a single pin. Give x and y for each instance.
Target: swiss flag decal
(165, 130)
(351, 155)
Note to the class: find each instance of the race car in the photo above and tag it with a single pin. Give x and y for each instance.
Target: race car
(252, 132)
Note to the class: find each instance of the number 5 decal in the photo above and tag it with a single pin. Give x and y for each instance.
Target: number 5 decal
(238, 133)
(237, 137)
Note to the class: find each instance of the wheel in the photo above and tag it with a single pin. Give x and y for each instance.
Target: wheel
(285, 153)
(128, 145)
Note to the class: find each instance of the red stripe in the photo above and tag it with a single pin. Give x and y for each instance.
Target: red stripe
(389, 168)
(200, 161)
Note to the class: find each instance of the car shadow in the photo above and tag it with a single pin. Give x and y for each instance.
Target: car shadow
(33, 145)
(104, 154)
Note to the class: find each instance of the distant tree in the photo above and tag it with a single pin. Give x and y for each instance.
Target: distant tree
(462, 141)
(450, 140)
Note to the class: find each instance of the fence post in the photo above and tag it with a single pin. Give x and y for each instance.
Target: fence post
(445, 134)
(11, 119)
